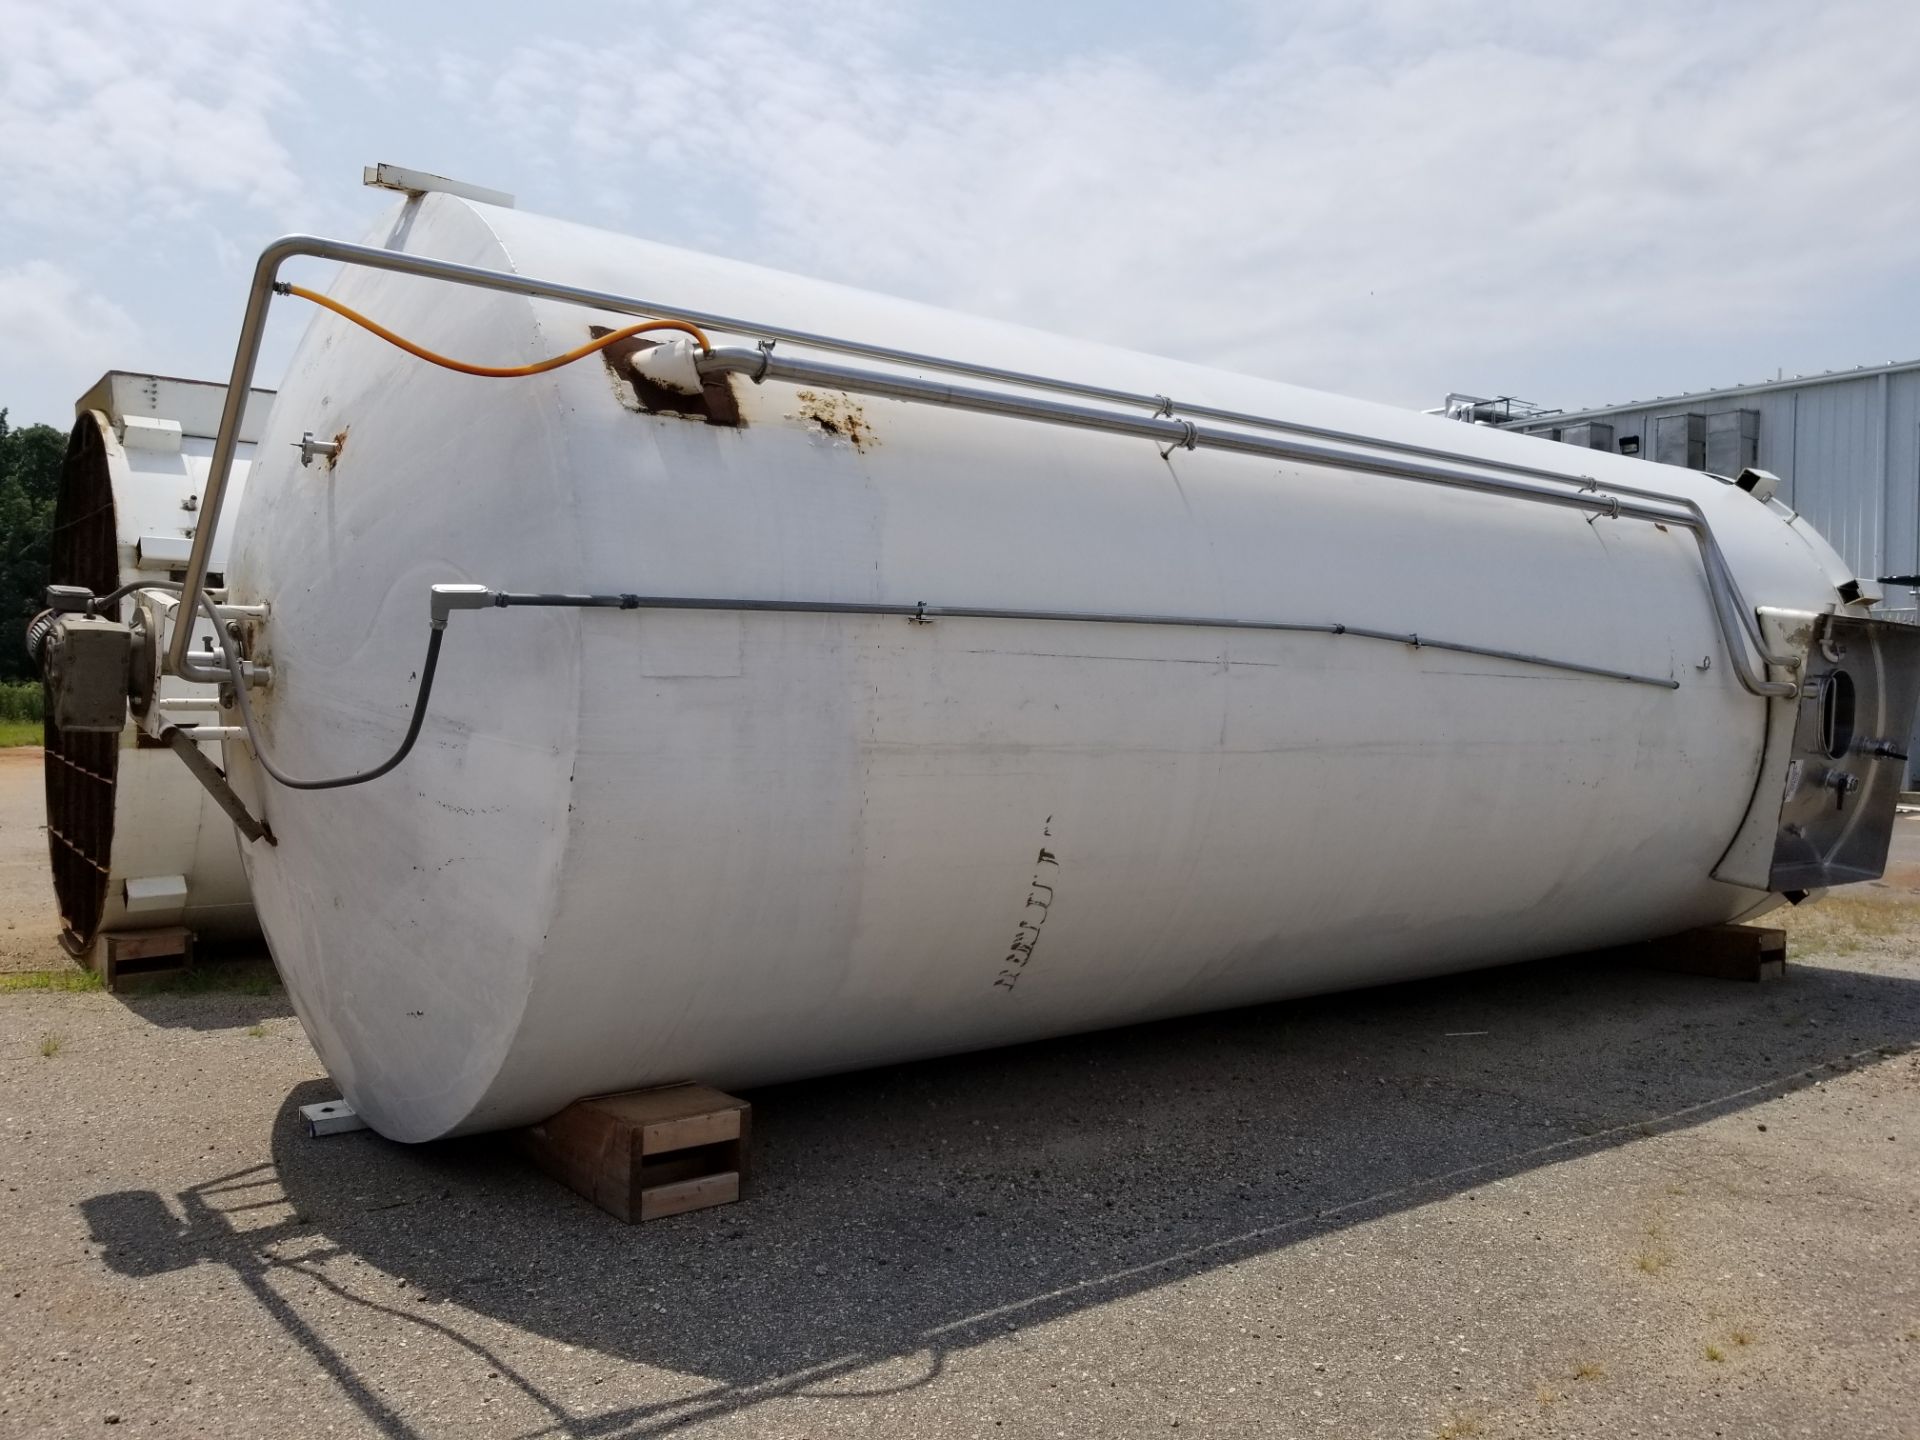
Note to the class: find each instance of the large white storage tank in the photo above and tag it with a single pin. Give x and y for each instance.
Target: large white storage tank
(740, 846)
(133, 841)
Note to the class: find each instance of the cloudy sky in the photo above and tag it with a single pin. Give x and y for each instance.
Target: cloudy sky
(1392, 198)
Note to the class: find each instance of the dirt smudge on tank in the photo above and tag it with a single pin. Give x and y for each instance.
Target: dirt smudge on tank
(835, 414)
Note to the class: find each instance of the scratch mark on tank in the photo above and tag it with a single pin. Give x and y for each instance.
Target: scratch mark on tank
(466, 809)
(1026, 935)
(836, 415)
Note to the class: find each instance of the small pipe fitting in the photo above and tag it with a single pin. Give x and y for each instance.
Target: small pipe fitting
(310, 447)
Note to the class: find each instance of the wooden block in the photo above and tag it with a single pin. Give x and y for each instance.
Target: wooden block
(677, 1117)
(658, 1201)
(1724, 952)
(126, 959)
(647, 1153)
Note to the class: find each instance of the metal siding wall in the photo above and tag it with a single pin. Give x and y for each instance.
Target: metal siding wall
(1838, 449)
(1903, 473)
(1776, 435)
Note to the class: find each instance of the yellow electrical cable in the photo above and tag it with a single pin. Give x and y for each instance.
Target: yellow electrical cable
(498, 372)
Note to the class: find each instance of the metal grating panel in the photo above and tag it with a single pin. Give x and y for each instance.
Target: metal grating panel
(81, 769)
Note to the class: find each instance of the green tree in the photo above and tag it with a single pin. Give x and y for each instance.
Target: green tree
(29, 480)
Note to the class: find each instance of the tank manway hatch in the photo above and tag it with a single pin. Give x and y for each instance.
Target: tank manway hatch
(1849, 751)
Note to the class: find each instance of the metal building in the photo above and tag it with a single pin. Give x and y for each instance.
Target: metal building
(1845, 444)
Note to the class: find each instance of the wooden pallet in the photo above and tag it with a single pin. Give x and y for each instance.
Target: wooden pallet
(136, 957)
(647, 1153)
(1724, 952)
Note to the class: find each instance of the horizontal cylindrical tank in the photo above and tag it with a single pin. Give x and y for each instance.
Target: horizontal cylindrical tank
(742, 847)
(133, 841)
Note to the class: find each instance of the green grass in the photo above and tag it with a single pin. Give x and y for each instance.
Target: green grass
(237, 977)
(247, 977)
(1842, 925)
(50, 1045)
(21, 703)
(21, 700)
(51, 980)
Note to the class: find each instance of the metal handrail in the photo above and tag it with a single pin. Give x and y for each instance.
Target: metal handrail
(1733, 615)
(1722, 588)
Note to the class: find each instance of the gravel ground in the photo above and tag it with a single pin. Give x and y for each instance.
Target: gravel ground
(1561, 1199)
(29, 922)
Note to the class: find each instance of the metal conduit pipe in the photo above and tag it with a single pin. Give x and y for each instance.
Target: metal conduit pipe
(506, 599)
(1734, 616)
(1722, 589)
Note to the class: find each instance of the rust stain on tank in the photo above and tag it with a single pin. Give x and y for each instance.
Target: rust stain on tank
(837, 415)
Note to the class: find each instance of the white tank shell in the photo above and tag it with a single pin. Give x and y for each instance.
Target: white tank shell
(634, 848)
(158, 852)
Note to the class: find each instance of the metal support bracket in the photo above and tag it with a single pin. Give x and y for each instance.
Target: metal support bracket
(214, 780)
(331, 1117)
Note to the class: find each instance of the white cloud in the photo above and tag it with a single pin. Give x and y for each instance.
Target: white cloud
(145, 114)
(1364, 196)
(1389, 197)
(50, 320)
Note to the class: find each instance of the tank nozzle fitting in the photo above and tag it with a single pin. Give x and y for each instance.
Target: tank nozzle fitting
(309, 448)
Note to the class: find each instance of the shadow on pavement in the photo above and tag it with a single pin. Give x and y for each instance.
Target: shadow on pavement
(229, 987)
(905, 1213)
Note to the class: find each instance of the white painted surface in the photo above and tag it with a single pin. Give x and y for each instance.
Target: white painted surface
(150, 432)
(634, 848)
(155, 892)
(159, 552)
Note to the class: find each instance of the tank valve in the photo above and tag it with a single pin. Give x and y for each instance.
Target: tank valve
(1842, 784)
(310, 447)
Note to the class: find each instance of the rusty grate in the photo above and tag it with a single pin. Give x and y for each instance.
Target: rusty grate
(81, 769)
